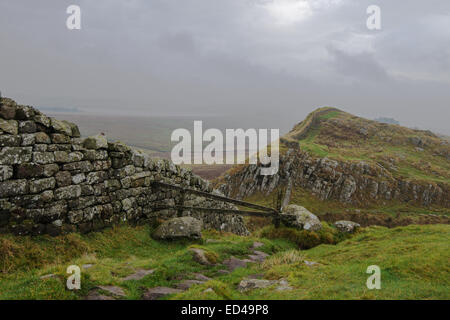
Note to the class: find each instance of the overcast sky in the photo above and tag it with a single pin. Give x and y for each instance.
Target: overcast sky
(278, 59)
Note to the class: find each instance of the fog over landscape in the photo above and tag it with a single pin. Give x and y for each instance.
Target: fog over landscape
(265, 63)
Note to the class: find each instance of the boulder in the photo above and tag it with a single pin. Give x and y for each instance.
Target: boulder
(347, 226)
(176, 228)
(298, 217)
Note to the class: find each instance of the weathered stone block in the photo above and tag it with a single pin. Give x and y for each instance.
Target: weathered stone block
(43, 157)
(81, 166)
(24, 113)
(75, 216)
(101, 165)
(27, 127)
(63, 178)
(68, 192)
(6, 172)
(59, 138)
(40, 185)
(92, 212)
(61, 126)
(50, 170)
(40, 147)
(75, 156)
(9, 126)
(13, 188)
(7, 140)
(42, 137)
(7, 112)
(96, 142)
(43, 120)
(78, 178)
(61, 156)
(118, 146)
(28, 139)
(15, 155)
(96, 177)
(87, 190)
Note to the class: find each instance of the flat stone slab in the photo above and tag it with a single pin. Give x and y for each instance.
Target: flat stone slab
(186, 284)
(87, 266)
(257, 244)
(114, 290)
(258, 256)
(201, 277)
(234, 263)
(139, 274)
(159, 292)
(94, 295)
(251, 283)
(48, 276)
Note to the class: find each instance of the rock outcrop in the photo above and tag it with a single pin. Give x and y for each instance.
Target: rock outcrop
(53, 181)
(352, 182)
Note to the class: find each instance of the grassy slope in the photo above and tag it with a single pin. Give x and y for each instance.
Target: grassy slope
(413, 259)
(336, 135)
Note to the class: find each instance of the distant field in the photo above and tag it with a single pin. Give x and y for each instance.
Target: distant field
(151, 134)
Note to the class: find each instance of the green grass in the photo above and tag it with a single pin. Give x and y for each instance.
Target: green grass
(413, 260)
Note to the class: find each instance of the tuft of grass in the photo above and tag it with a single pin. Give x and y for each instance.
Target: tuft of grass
(305, 239)
(286, 257)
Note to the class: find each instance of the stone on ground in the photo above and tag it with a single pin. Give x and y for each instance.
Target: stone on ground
(258, 256)
(347, 226)
(177, 228)
(95, 295)
(299, 217)
(234, 263)
(114, 290)
(253, 283)
(257, 244)
(199, 256)
(201, 277)
(139, 274)
(186, 284)
(159, 292)
(250, 284)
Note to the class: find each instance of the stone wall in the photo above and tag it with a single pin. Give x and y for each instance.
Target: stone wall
(53, 181)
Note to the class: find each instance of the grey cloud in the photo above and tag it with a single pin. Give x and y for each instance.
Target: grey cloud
(231, 58)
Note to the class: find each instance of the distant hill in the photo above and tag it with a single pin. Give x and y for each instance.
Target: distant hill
(336, 161)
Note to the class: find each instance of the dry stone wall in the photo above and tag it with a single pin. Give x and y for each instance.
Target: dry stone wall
(53, 181)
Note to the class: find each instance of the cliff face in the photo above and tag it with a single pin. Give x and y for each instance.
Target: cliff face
(337, 156)
(53, 181)
(356, 183)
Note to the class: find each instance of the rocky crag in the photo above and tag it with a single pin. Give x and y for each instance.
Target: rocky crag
(54, 181)
(337, 156)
